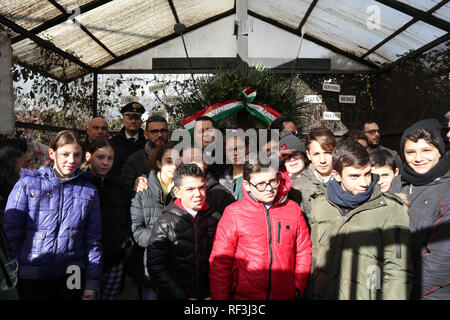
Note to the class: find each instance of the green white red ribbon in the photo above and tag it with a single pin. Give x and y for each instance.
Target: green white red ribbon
(224, 109)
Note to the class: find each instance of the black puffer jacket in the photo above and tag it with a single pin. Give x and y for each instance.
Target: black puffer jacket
(217, 196)
(115, 209)
(179, 250)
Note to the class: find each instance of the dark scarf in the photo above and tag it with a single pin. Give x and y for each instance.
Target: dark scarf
(345, 199)
(416, 179)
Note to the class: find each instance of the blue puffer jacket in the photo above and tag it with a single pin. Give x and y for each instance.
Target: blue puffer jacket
(53, 225)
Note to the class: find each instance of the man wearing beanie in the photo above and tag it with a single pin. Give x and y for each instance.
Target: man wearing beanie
(425, 179)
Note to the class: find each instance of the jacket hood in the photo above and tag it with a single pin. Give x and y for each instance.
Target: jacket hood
(283, 190)
(430, 124)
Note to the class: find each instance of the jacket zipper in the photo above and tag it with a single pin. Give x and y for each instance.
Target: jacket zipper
(270, 252)
(197, 276)
(279, 231)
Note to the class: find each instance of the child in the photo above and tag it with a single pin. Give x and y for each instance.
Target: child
(261, 249)
(181, 239)
(383, 164)
(360, 236)
(53, 222)
(115, 208)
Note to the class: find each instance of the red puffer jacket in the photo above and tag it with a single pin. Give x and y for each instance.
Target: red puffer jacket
(261, 253)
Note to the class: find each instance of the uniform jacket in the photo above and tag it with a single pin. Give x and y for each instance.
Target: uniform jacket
(430, 228)
(135, 165)
(124, 148)
(365, 249)
(179, 249)
(261, 253)
(53, 225)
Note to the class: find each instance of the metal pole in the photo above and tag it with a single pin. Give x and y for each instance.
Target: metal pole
(95, 95)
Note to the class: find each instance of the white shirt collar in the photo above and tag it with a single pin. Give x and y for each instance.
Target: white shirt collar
(136, 136)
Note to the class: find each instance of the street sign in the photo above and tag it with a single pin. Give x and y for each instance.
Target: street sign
(327, 115)
(128, 99)
(313, 98)
(347, 99)
(331, 87)
(171, 99)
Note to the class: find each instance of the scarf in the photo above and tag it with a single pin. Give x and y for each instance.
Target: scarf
(416, 179)
(345, 199)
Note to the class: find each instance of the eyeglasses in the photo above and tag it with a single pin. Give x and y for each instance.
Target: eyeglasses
(373, 131)
(156, 131)
(274, 183)
(296, 156)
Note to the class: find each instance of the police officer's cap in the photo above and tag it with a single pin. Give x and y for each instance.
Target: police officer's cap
(133, 108)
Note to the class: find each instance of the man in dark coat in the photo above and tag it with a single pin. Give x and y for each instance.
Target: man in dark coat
(131, 138)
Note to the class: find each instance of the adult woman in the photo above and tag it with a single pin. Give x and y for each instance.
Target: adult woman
(115, 208)
(146, 207)
(425, 179)
(53, 222)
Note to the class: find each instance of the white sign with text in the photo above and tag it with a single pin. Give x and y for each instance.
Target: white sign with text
(312, 98)
(328, 115)
(347, 99)
(331, 87)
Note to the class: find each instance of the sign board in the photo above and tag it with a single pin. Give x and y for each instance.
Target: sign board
(6, 98)
(128, 99)
(171, 99)
(327, 115)
(313, 98)
(331, 87)
(157, 87)
(347, 99)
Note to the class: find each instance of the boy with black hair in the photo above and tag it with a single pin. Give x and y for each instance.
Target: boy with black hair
(383, 164)
(360, 236)
(182, 238)
(261, 249)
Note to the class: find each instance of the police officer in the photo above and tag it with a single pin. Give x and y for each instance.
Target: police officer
(131, 137)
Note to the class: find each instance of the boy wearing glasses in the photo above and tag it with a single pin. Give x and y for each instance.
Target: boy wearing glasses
(261, 249)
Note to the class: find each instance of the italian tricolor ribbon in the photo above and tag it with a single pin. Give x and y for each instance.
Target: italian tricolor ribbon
(224, 109)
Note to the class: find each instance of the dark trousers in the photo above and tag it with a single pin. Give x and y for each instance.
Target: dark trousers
(54, 289)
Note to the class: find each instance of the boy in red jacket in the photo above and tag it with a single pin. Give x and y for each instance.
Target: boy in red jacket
(261, 249)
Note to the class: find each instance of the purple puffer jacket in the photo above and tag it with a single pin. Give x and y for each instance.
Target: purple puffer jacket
(53, 225)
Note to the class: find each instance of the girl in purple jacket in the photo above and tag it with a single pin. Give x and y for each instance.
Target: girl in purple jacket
(53, 222)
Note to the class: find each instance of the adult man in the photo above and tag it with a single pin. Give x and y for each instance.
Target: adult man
(137, 164)
(284, 123)
(360, 237)
(96, 128)
(372, 132)
(131, 137)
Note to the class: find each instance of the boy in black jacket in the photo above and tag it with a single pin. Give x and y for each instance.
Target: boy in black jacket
(181, 240)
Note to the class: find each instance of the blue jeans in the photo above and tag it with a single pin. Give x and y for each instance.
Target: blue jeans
(148, 293)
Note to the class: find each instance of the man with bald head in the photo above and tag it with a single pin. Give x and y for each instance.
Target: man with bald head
(97, 127)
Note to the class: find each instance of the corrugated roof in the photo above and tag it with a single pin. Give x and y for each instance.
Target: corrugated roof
(373, 31)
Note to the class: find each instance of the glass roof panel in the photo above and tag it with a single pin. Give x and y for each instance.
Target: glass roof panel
(69, 37)
(287, 12)
(443, 12)
(28, 13)
(416, 36)
(423, 5)
(124, 25)
(68, 4)
(353, 25)
(31, 54)
(193, 11)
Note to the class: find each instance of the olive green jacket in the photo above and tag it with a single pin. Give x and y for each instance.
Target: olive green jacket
(363, 254)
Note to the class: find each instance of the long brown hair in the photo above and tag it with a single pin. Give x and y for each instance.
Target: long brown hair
(61, 139)
(101, 142)
(157, 155)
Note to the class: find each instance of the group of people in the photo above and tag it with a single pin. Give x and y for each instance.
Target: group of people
(331, 218)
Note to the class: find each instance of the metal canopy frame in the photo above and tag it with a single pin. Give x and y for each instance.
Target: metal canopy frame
(416, 14)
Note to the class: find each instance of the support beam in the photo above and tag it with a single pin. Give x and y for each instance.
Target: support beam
(403, 28)
(174, 11)
(241, 38)
(60, 19)
(315, 40)
(84, 29)
(417, 14)
(43, 43)
(306, 16)
(95, 95)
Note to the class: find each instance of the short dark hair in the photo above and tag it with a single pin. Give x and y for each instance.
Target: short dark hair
(368, 120)
(323, 136)
(349, 153)
(205, 118)
(355, 135)
(155, 118)
(278, 122)
(187, 170)
(254, 165)
(100, 142)
(381, 158)
(423, 133)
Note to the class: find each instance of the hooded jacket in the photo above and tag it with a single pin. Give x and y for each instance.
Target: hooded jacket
(261, 253)
(362, 251)
(52, 225)
(178, 253)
